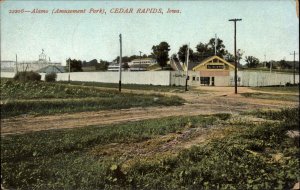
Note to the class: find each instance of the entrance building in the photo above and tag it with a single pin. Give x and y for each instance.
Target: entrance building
(213, 71)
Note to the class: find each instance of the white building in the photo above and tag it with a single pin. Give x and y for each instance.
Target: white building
(143, 61)
(8, 66)
(114, 67)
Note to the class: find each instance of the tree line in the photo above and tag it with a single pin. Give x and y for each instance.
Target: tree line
(160, 53)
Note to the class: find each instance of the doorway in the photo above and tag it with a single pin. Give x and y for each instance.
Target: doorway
(205, 81)
(213, 81)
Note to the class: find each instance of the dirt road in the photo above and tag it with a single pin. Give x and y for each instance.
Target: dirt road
(215, 100)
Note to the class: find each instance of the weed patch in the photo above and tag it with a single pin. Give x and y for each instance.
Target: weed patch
(283, 97)
(48, 98)
(252, 157)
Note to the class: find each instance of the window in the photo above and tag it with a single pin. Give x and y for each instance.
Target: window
(197, 78)
(194, 78)
(204, 80)
(215, 66)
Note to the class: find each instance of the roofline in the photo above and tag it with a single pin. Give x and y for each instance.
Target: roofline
(211, 58)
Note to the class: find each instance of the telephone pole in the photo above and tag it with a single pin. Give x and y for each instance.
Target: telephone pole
(140, 60)
(187, 66)
(69, 69)
(294, 67)
(120, 63)
(16, 63)
(235, 62)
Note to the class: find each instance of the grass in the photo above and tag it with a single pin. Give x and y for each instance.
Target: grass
(48, 98)
(251, 157)
(283, 97)
(288, 89)
(156, 88)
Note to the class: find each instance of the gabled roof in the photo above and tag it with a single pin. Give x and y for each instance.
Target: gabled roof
(52, 69)
(209, 59)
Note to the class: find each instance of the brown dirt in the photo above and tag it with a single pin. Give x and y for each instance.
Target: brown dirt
(214, 100)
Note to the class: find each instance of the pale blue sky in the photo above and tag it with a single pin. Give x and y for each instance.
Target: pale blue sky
(268, 27)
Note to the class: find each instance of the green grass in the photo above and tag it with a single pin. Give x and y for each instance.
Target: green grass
(288, 89)
(38, 90)
(244, 159)
(157, 88)
(48, 98)
(283, 97)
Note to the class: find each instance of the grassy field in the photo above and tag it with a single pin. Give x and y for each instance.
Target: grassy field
(288, 89)
(48, 98)
(247, 155)
(283, 97)
(156, 88)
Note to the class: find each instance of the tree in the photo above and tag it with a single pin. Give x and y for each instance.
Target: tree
(208, 49)
(252, 62)
(182, 53)
(284, 65)
(76, 65)
(229, 57)
(50, 77)
(174, 57)
(203, 51)
(220, 49)
(161, 53)
(271, 63)
(102, 66)
(92, 62)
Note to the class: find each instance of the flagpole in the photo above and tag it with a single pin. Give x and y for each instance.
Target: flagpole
(216, 42)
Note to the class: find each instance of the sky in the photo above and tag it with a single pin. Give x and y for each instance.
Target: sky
(269, 28)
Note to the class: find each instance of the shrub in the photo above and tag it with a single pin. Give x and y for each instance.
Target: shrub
(27, 76)
(50, 77)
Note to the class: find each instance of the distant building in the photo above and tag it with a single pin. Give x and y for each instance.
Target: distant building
(12, 66)
(114, 67)
(144, 61)
(142, 67)
(8, 66)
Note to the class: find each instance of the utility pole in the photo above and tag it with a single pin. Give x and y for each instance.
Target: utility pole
(265, 62)
(120, 63)
(16, 63)
(140, 60)
(235, 62)
(187, 66)
(294, 67)
(69, 69)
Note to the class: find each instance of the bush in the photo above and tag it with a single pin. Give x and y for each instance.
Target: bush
(27, 76)
(50, 77)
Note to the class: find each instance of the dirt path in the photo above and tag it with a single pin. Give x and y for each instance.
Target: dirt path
(215, 100)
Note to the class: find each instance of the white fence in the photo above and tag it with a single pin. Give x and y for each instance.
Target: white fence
(247, 78)
(260, 78)
(154, 77)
